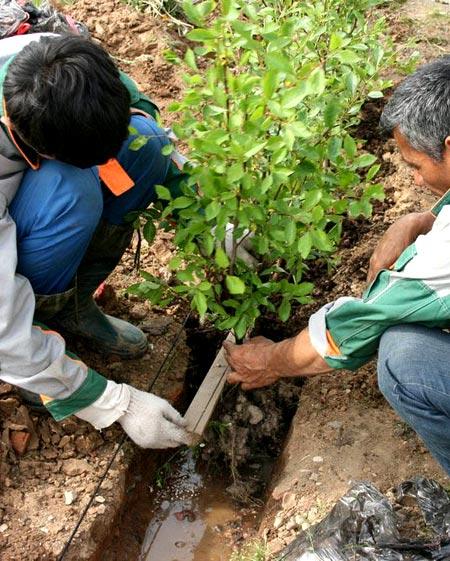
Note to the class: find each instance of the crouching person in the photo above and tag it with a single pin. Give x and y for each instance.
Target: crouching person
(67, 180)
(406, 308)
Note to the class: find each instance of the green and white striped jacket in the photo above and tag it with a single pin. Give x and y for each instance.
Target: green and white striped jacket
(346, 332)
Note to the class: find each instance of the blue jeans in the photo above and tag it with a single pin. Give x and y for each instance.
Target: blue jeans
(414, 376)
(58, 207)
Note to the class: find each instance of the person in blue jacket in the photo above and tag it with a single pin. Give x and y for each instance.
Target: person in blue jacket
(68, 178)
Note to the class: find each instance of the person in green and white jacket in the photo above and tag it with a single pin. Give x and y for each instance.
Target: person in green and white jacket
(406, 307)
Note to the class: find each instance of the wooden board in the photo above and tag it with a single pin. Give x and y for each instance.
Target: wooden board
(205, 400)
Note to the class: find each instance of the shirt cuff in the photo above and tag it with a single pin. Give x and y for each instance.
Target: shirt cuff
(109, 407)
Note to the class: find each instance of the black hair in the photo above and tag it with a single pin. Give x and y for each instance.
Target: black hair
(65, 99)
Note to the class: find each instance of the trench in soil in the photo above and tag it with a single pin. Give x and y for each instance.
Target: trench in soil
(178, 505)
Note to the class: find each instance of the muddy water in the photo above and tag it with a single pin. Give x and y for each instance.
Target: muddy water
(190, 517)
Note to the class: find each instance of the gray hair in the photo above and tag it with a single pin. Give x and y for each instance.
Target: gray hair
(420, 108)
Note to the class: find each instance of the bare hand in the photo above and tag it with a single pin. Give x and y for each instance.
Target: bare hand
(251, 363)
(396, 239)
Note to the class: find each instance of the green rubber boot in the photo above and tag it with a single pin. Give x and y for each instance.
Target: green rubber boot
(82, 317)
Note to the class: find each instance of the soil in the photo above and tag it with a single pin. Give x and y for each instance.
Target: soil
(343, 429)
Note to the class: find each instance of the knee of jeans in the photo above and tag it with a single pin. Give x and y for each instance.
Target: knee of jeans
(56, 196)
(78, 196)
(151, 150)
(399, 349)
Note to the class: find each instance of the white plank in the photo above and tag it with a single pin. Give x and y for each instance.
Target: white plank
(205, 400)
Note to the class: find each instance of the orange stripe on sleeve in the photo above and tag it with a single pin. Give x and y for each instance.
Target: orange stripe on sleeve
(333, 349)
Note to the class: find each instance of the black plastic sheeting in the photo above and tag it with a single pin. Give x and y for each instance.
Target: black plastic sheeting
(364, 526)
(20, 16)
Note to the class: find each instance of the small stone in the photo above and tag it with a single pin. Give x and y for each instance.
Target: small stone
(5, 388)
(85, 444)
(314, 477)
(64, 440)
(75, 467)
(288, 500)
(278, 521)
(256, 415)
(156, 326)
(44, 529)
(8, 405)
(291, 525)
(99, 499)
(69, 497)
(317, 459)
(305, 526)
(99, 30)
(3, 528)
(139, 311)
(299, 519)
(19, 441)
(334, 425)
(101, 509)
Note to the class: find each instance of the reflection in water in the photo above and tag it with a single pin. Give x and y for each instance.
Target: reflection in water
(187, 520)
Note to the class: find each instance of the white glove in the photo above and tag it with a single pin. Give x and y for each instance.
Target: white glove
(244, 245)
(151, 422)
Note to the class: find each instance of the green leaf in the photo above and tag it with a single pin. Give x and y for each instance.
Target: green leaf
(304, 245)
(291, 98)
(351, 81)
(175, 263)
(372, 172)
(182, 202)
(334, 147)
(348, 57)
(299, 129)
(350, 146)
(163, 193)
(221, 258)
(235, 173)
(375, 94)
(189, 59)
(138, 143)
(365, 160)
(201, 35)
(320, 240)
(167, 149)
(212, 210)
(335, 41)
(331, 113)
(290, 232)
(270, 83)
(312, 198)
(316, 81)
(284, 311)
(234, 285)
(208, 243)
(199, 303)
(149, 231)
(192, 13)
(257, 148)
(241, 328)
(278, 61)
(363, 207)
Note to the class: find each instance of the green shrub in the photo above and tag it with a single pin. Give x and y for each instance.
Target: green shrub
(273, 93)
